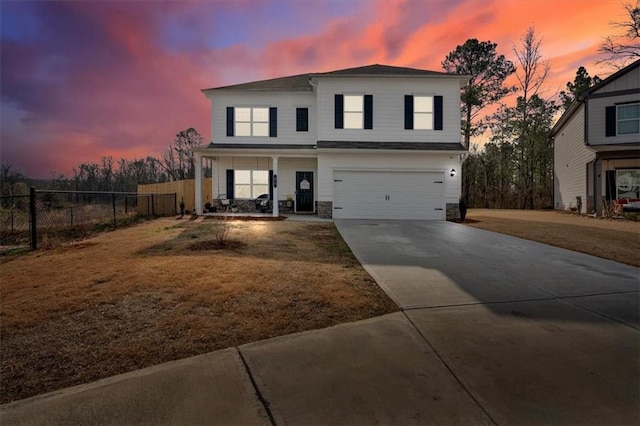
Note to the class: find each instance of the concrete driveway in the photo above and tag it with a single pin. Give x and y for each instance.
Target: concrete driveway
(535, 334)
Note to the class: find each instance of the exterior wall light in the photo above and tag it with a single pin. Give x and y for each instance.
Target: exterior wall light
(452, 172)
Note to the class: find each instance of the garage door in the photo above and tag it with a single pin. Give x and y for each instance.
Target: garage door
(388, 195)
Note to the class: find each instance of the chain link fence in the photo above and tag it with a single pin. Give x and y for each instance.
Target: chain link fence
(47, 218)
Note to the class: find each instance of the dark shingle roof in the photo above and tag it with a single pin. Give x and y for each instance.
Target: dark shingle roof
(301, 82)
(414, 146)
(380, 70)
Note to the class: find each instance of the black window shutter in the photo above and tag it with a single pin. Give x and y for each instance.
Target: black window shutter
(271, 185)
(610, 121)
(368, 111)
(302, 119)
(408, 112)
(230, 119)
(437, 113)
(610, 186)
(339, 112)
(230, 184)
(273, 122)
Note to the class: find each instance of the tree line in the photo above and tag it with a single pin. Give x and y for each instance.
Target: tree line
(122, 175)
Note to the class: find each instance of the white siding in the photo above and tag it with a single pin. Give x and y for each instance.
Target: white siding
(328, 162)
(286, 102)
(570, 159)
(388, 108)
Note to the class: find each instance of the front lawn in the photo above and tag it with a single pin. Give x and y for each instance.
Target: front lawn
(164, 290)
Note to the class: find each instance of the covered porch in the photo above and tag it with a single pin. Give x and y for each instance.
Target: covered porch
(244, 177)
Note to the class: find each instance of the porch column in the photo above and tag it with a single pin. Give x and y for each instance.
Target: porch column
(198, 182)
(276, 207)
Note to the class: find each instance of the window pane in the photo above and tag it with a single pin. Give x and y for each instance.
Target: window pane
(243, 114)
(353, 103)
(629, 126)
(260, 129)
(243, 129)
(259, 190)
(261, 114)
(261, 177)
(242, 176)
(629, 111)
(242, 191)
(422, 104)
(423, 121)
(353, 120)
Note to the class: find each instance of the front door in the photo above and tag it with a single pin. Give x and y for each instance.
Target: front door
(304, 191)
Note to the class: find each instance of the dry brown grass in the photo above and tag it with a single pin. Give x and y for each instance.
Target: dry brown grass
(142, 296)
(612, 239)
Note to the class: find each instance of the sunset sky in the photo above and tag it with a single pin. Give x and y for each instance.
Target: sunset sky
(80, 80)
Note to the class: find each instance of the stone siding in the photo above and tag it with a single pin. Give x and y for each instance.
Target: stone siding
(453, 211)
(325, 209)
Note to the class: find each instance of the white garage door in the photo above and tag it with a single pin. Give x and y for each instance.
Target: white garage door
(388, 195)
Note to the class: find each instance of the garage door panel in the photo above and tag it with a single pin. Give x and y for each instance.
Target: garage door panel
(389, 195)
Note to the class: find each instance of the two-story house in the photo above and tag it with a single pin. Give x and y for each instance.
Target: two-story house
(596, 144)
(369, 142)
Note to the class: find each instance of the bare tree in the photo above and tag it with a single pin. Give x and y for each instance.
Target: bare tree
(624, 47)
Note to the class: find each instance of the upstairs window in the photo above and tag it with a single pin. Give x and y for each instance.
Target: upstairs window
(252, 121)
(302, 119)
(628, 119)
(353, 111)
(423, 112)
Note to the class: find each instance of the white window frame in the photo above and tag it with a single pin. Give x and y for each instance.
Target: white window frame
(353, 112)
(253, 122)
(627, 120)
(256, 188)
(423, 116)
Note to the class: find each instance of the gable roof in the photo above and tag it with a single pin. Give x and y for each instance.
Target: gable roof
(301, 82)
(584, 95)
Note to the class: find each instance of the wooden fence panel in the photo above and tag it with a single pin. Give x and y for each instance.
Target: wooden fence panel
(185, 189)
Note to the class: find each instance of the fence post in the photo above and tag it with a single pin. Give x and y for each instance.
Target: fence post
(12, 227)
(175, 203)
(153, 207)
(126, 210)
(113, 205)
(32, 216)
(71, 211)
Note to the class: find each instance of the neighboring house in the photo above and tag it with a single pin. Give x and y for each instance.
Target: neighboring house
(369, 142)
(597, 144)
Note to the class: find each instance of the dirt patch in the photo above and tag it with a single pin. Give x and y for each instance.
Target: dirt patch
(613, 239)
(140, 296)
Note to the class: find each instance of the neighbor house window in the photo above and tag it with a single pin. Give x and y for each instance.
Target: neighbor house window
(302, 119)
(628, 119)
(252, 121)
(423, 112)
(250, 184)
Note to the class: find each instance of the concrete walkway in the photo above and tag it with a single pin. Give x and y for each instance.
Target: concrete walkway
(493, 330)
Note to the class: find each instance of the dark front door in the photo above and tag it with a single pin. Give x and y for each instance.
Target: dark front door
(304, 191)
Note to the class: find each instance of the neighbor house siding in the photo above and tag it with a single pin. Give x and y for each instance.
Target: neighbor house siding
(570, 163)
(597, 123)
(328, 162)
(286, 104)
(388, 108)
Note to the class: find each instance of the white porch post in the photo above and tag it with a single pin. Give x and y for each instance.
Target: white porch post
(276, 207)
(198, 185)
